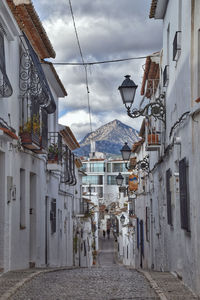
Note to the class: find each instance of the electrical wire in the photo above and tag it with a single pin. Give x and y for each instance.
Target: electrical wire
(83, 64)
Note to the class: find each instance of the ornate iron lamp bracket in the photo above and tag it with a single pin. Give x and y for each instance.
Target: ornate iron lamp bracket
(155, 109)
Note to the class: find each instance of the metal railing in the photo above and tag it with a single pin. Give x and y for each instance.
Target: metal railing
(55, 147)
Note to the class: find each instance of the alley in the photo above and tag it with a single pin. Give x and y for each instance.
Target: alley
(107, 280)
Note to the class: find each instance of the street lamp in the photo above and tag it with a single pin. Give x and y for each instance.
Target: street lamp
(122, 219)
(126, 153)
(119, 179)
(155, 108)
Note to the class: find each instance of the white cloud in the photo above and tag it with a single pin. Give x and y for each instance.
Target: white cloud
(107, 30)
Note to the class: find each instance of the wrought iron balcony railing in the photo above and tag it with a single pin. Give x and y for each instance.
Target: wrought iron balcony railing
(68, 176)
(54, 147)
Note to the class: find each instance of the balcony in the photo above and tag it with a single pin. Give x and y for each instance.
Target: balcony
(30, 132)
(152, 138)
(54, 151)
(177, 46)
(68, 174)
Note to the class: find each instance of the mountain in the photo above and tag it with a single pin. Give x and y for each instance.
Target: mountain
(109, 138)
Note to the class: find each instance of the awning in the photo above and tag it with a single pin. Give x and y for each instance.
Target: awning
(33, 80)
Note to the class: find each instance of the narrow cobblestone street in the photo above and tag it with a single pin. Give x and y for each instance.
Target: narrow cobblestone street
(106, 281)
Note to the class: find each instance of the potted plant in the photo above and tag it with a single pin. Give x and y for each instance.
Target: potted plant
(53, 152)
(30, 132)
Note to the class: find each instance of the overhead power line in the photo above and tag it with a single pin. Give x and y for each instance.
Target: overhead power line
(83, 63)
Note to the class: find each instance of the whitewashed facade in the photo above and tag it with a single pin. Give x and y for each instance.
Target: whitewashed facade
(172, 186)
(40, 184)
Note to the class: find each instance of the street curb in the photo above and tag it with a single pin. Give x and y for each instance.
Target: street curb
(153, 284)
(18, 285)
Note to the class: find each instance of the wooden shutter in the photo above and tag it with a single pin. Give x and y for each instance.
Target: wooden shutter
(184, 204)
(168, 191)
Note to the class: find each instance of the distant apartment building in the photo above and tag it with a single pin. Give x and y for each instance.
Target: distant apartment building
(101, 173)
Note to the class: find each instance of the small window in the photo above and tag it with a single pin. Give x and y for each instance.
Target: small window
(184, 199)
(166, 76)
(5, 86)
(177, 45)
(168, 192)
(53, 216)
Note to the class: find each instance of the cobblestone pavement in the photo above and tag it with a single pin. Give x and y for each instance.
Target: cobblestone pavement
(105, 281)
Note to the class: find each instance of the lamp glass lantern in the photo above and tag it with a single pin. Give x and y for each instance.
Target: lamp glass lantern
(122, 219)
(127, 91)
(119, 179)
(126, 152)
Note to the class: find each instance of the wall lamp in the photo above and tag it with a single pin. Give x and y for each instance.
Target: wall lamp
(126, 153)
(141, 164)
(155, 109)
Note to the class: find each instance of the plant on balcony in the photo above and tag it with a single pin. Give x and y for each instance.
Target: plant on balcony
(30, 131)
(53, 152)
(31, 126)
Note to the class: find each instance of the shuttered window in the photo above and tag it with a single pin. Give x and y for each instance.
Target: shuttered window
(184, 200)
(53, 216)
(138, 233)
(168, 192)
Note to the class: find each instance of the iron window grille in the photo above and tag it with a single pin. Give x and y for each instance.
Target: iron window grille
(33, 83)
(166, 76)
(5, 85)
(176, 45)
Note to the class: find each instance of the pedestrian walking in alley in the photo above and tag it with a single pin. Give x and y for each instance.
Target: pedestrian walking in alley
(104, 233)
(108, 233)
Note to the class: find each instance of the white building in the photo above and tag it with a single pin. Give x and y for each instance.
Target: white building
(170, 208)
(40, 184)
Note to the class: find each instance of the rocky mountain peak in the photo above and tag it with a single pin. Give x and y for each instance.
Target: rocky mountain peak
(109, 138)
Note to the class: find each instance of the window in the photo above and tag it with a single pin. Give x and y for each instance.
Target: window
(168, 192)
(177, 45)
(5, 86)
(111, 180)
(147, 223)
(92, 179)
(118, 167)
(53, 216)
(184, 199)
(96, 167)
(166, 76)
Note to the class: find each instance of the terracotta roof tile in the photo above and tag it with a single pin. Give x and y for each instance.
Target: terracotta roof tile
(29, 22)
(153, 8)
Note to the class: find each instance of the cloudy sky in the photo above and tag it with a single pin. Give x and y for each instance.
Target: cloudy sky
(107, 29)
